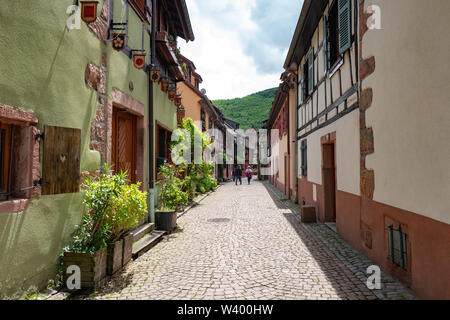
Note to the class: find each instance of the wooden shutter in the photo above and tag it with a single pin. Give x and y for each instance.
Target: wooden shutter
(344, 22)
(61, 160)
(325, 44)
(311, 71)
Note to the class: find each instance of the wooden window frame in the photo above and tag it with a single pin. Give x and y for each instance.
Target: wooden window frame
(334, 57)
(6, 154)
(160, 126)
(141, 8)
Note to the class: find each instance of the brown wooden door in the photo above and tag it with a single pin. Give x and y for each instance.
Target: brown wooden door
(329, 182)
(124, 143)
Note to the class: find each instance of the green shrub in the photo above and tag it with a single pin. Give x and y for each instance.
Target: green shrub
(171, 195)
(113, 207)
(128, 207)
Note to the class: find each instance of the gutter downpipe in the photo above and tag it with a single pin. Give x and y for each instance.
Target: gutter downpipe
(151, 120)
(296, 136)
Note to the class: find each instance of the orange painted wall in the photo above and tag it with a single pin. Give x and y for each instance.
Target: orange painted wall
(191, 103)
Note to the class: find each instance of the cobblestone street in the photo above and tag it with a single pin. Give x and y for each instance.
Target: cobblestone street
(244, 242)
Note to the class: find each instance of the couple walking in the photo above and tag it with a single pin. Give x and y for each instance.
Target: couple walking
(237, 174)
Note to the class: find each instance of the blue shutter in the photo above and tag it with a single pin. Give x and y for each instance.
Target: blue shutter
(345, 20)
(325, 44)
(311, 71)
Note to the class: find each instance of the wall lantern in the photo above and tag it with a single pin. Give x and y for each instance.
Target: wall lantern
(89, 11)
(178, 100)
(118, 41)
(164, 85)
(139, 60)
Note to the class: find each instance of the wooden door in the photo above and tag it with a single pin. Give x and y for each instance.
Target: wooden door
(329, 182)
(123, 157)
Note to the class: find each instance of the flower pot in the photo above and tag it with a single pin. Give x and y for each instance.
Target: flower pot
(127, 249)
(166, 220)
(92, 267)
(114, 257)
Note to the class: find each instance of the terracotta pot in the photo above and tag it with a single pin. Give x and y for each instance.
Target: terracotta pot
(92, 267)
(166, 220)
(114, 257)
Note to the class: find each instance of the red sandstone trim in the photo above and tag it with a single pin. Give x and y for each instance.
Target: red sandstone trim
(12, 206)
(12, 115)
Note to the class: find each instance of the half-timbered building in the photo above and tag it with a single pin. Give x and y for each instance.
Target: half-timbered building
(372, 131)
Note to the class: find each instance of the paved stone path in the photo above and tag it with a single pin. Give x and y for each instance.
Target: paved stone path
(243, 242)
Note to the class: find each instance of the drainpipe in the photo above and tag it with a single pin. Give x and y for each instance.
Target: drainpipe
(296, 135)
(151, 118)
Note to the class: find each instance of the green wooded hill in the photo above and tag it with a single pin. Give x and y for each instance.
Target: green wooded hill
(249, 110)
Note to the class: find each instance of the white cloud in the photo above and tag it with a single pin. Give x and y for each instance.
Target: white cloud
(239, 46)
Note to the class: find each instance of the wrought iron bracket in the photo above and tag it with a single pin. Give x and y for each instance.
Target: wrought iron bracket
(39, 136)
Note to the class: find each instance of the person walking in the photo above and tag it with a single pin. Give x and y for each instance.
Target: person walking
(234, 174)
(249, 174)
(238, 174)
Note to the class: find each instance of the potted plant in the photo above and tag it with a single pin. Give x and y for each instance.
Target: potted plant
(88, 248)
(171, 197)
(128, 206)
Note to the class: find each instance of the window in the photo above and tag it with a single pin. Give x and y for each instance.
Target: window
(398, 247)
(337, 32)
(311, 71)
(140, 7)
(307, 82)
(333, 32)
(164, 137)
(304, 158)
(19, 158)
(5, 161)
(203, 118)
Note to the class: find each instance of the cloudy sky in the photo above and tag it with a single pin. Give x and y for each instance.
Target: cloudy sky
(240, 45)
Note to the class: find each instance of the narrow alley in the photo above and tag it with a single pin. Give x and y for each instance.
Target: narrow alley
(244, 242)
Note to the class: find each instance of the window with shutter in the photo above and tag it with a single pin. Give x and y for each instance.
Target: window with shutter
(333, 54)
(304, 158)
(344, 22)
(311, 71)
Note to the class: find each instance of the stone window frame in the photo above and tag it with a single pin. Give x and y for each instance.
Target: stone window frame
(27, 156)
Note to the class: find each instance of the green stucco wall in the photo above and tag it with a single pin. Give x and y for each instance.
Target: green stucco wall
(42, 66)
(42, 69)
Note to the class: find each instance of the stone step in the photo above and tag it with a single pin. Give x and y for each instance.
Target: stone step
(142, 231)
(147, 242)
